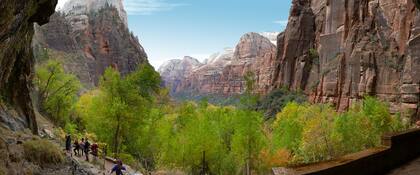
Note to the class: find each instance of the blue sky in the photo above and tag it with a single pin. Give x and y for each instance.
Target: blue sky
(170, 29)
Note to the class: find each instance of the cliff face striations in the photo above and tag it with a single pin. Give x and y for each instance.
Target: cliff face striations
(16, 59)
(341, 50)
(92, 35)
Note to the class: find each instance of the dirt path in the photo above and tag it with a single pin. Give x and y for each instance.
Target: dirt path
(97, 166)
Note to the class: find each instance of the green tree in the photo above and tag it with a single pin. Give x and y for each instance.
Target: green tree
(57, 91)
(288, 127)
(248, 139)
(122, 106)
(317, 143)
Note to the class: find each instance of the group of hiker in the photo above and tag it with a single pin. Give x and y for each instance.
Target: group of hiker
(84, 147)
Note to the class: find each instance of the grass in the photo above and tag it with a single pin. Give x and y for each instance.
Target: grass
(42, 152)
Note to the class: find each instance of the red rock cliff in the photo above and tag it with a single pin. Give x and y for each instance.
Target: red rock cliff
(364, 47)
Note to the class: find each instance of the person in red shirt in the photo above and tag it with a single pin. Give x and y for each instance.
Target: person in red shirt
(76, 147)
(94, 149)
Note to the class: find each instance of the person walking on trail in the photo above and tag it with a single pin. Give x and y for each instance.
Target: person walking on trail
(82, 146)
(118, 168)
(76, 147)
(94, 149)
(68, 144)
(86, 149)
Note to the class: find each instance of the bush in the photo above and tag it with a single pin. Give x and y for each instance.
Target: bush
(42, 152)
(279, 158)
(129, 160)
(70, 128)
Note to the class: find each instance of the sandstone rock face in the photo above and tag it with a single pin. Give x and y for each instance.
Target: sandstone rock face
(223, 73)
(340, 50)
(16, 58)
(175, 71)
(91, 39)
(272, 36)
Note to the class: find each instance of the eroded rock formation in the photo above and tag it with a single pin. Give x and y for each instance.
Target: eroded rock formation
(90, 36)
(16, 59)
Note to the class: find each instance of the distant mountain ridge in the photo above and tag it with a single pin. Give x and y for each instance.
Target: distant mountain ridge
(222, 73)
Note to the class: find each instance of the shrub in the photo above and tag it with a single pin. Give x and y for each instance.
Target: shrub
(70, 128)
(42, 152)
(129, 160)
(278, 158)
(313, 53)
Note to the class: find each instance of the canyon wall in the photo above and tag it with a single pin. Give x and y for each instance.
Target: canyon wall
(338, 51)
(89, 36)
(16, 59)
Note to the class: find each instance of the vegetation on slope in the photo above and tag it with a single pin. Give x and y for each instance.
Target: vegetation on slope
(42, 152)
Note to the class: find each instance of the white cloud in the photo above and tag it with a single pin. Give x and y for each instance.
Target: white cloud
(147, 7)
(283, 23)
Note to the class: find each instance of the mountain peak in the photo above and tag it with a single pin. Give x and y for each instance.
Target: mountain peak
(83, 7)
(272, 36)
